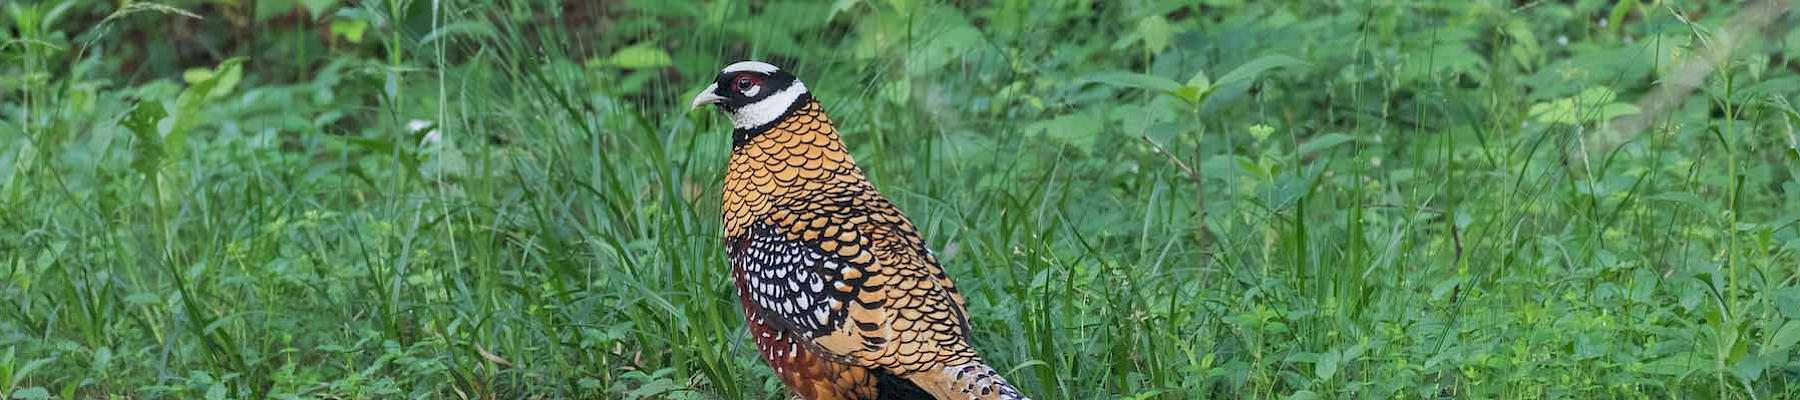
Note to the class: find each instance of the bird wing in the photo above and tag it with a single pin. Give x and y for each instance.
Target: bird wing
(849, 273)
(793, 285)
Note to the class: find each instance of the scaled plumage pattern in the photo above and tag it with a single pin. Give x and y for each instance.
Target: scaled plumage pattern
(843, 298)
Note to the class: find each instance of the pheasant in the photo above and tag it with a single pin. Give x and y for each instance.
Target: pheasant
(842, 297)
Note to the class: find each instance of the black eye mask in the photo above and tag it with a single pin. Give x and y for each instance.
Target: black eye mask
(760, 86)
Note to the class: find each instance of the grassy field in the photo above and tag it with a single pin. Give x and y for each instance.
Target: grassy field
(1141, 199)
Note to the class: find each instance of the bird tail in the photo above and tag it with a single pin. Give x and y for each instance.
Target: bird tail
(974, 380)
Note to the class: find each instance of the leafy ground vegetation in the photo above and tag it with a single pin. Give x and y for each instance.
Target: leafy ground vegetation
(1141, 199)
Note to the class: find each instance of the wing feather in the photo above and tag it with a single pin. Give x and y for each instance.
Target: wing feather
(850, 274)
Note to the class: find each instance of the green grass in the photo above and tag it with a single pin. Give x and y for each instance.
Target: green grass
(1409, 199)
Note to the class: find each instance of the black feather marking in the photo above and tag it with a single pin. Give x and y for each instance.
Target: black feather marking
(892, 387)
(789, 283)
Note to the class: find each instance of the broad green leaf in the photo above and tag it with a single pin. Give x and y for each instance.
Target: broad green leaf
(1643, 285)
(1677, 365)
(1591, 105)
(1595, 96)
(1249, 71)
(1156, 33)
(143, 298)
(187, 105)
(1252, 168)
(1200, 80)
(31, 393)
(28, 368)
(192, 75)
(1081, 130)
(1787, 302)
(1793, 41)
(142, 121)
(1134, 80)
(898, 91)
(640, 56)
(1750, 368)
(1784, 338)
(315, 8)
(384, 147)
(1192, 94)
(588, 383)
(349, 28)
(1303, 395)
(1324, 142)
(1327, 365)
(1135, 119)
(202, 86)
(228, 75)
(1197, 88)
(1234, 84)
(1616, 110)
(216, 392)
(1442, 289)
(1126, 40)
(1355, 352)
(103, 357)
(1443, 60)
(947, 38)
(1551, 112)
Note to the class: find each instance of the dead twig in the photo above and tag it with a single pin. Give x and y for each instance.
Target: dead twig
(1185, 169)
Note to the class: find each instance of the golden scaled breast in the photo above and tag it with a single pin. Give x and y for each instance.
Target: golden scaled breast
(785, 168)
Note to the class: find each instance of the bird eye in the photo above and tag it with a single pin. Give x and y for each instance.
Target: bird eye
(745, 82)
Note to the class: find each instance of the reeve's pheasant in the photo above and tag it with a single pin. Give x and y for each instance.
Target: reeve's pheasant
(843, 298)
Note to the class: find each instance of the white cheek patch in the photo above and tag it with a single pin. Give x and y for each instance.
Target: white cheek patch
(753, 91)
(768, 109)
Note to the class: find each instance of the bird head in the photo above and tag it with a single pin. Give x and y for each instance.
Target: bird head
(753, 93)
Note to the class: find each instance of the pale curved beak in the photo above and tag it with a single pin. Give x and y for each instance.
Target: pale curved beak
(707, 97)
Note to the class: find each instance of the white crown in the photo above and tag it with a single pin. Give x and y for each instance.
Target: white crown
(757, 66)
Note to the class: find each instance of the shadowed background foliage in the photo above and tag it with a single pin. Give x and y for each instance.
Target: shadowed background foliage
(1141, 199)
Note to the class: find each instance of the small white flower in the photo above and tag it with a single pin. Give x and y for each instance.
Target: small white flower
(431, 138)
(417, 124)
